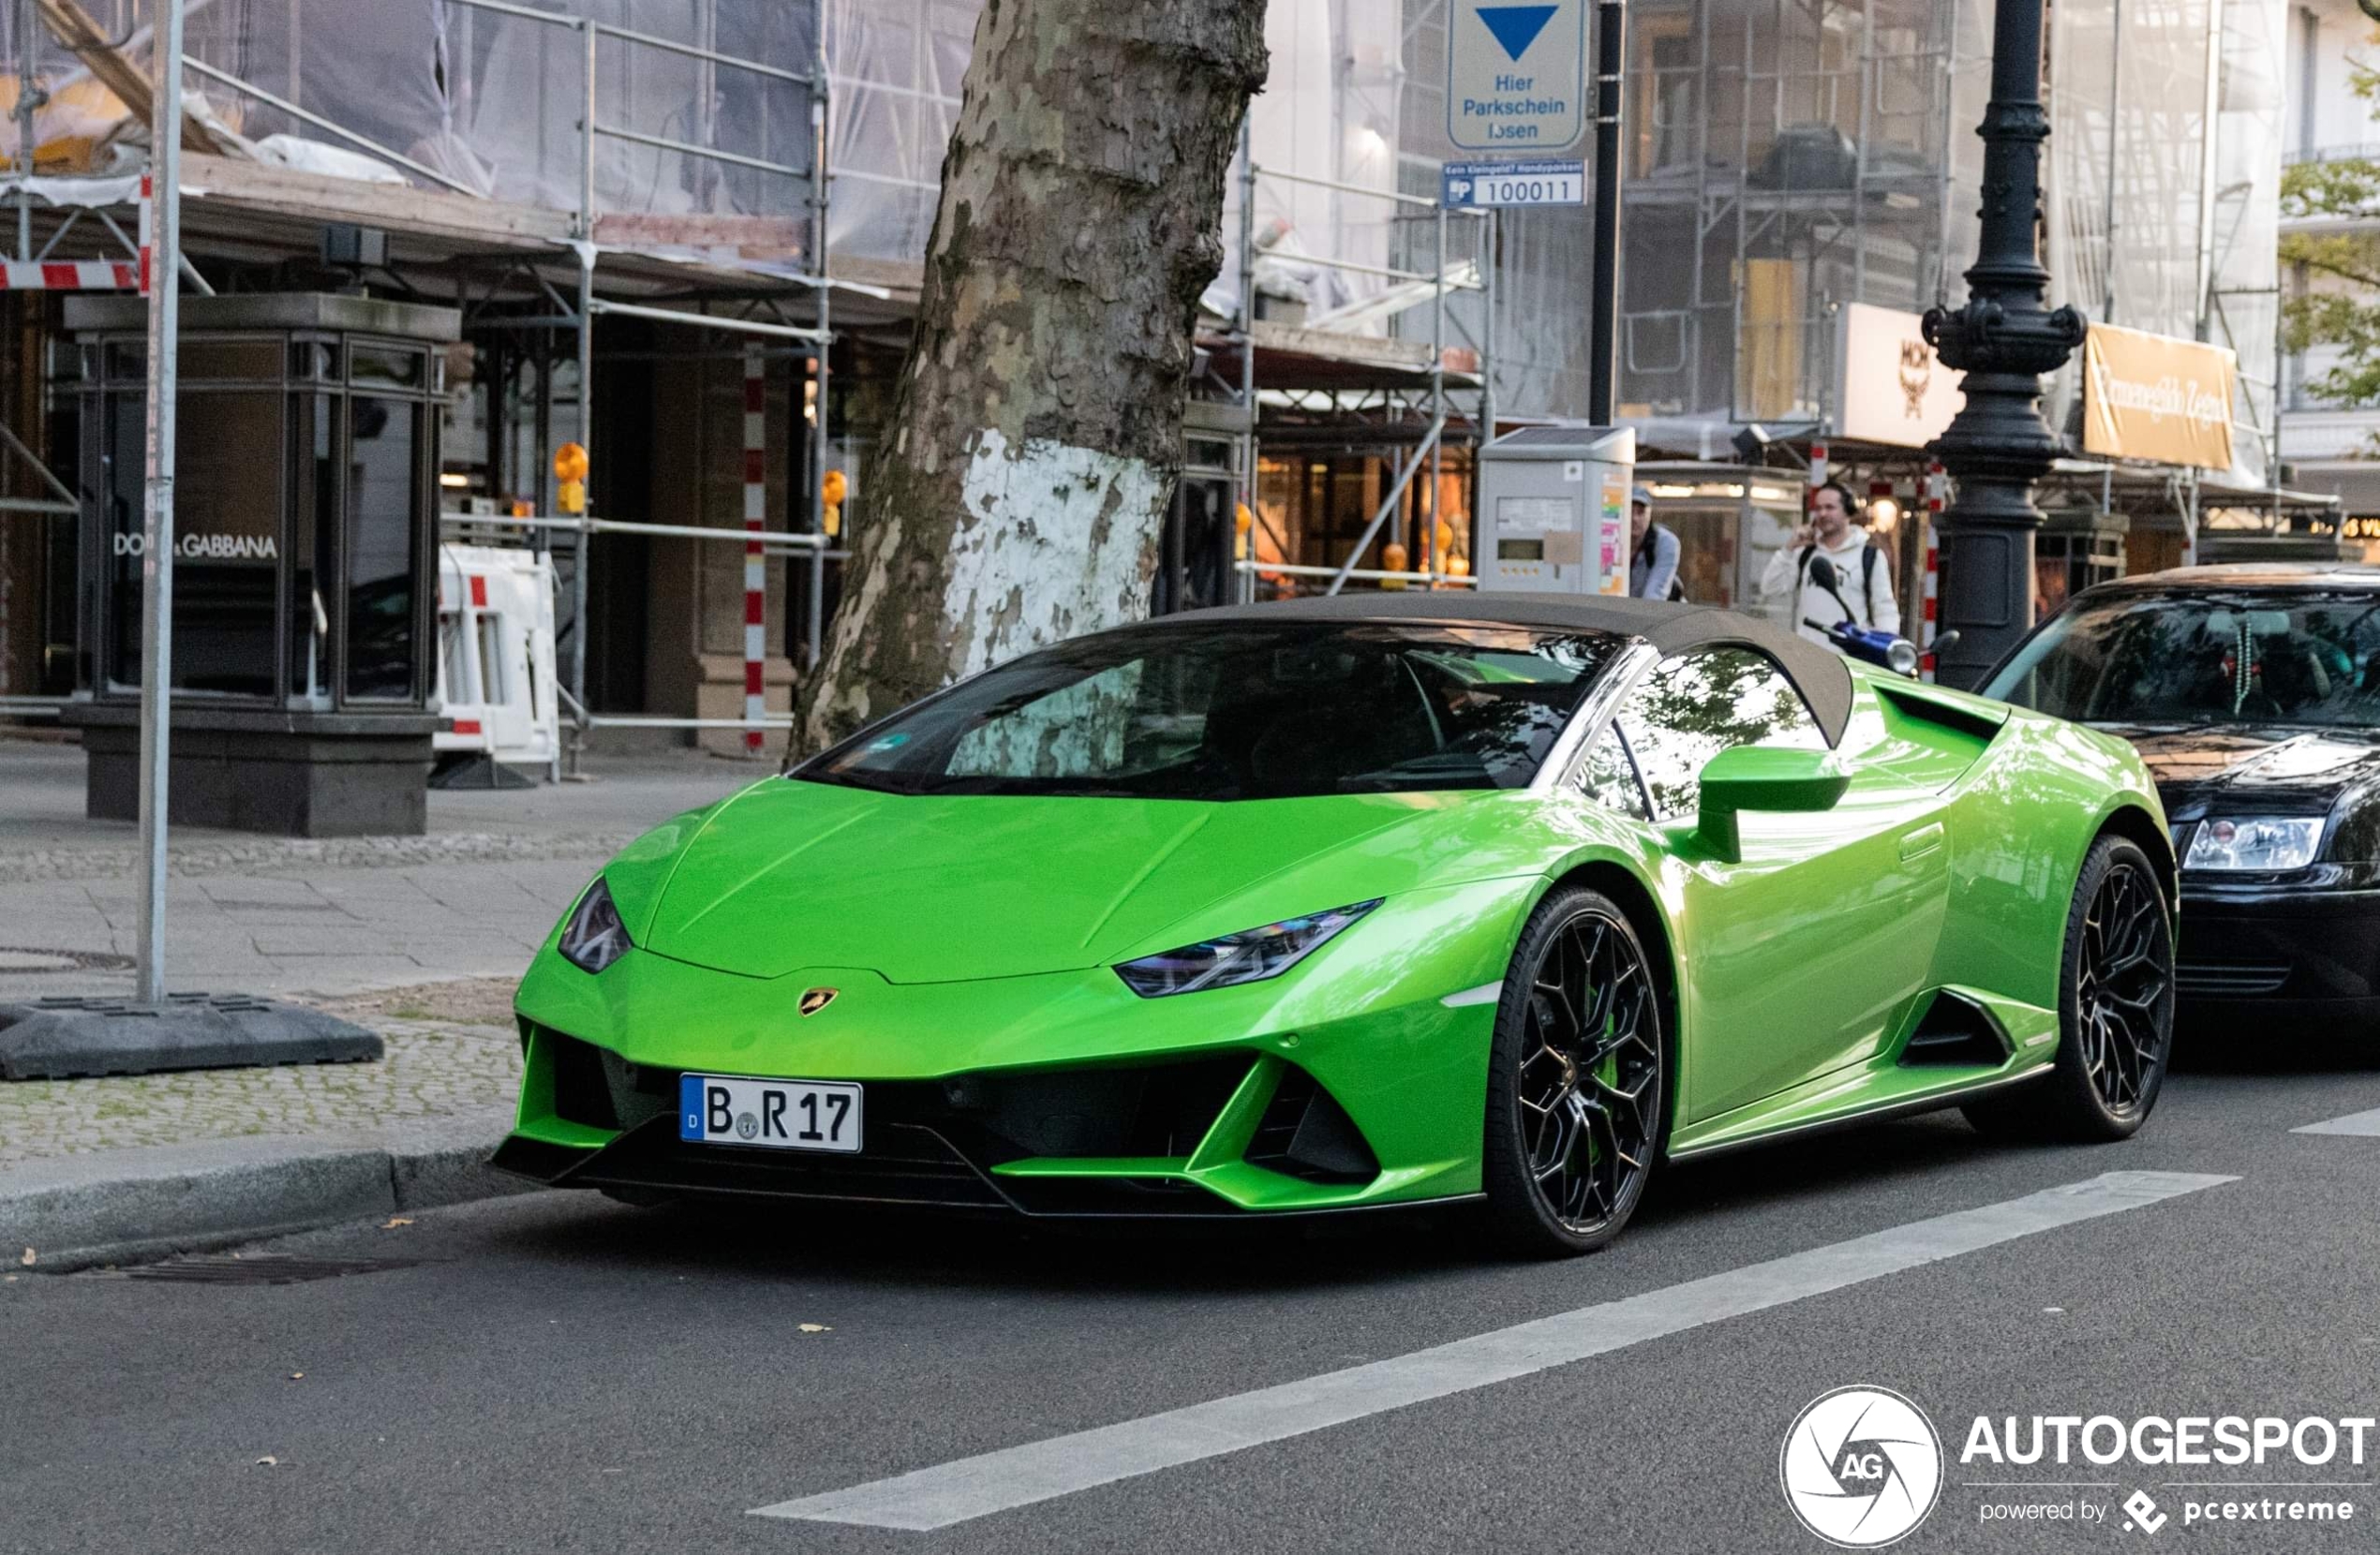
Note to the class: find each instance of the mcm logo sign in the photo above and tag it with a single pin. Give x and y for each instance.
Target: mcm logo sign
(1916, 377)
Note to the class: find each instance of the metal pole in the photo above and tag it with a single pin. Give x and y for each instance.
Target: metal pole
(1611, 42)
(2207, 169)
(815, 628)
(580, 551)
(1245, 486)
(2002, 341)
(160, 270)
(29, 98)
(1429, 546)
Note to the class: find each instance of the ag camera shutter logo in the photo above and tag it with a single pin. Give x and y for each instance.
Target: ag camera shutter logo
(1861, 1467)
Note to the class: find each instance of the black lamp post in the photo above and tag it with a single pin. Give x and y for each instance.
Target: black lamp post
(2002, 341)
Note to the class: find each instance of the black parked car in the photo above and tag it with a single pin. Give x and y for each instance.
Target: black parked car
(2253, 695)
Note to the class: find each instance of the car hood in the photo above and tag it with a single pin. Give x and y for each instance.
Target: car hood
(948, 888)
(2243, 767)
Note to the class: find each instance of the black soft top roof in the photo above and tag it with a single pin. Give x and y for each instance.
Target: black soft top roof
(1820, 675)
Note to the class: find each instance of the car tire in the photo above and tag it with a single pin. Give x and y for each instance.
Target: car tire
(2115, 1009)
(1576, 1116)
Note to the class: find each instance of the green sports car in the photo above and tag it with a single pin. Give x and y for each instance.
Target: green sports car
(1356, 902)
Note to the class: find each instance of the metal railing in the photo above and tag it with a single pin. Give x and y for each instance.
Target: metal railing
(1357, 574)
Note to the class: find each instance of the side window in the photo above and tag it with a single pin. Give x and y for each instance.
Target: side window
(1697, 705)
(1607, 776)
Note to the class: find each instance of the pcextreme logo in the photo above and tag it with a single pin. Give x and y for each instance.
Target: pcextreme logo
(1861, 1467)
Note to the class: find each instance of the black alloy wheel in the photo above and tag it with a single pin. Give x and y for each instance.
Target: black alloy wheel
(1576, 1093)
(2115, 1009)
(2123, 988)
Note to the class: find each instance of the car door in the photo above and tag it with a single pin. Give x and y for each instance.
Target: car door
(1800, 955)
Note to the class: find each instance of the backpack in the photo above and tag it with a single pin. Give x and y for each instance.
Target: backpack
(1867, 575)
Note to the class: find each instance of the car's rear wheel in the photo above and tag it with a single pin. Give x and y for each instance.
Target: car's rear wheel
(2115, 1008)
(1577, 1095)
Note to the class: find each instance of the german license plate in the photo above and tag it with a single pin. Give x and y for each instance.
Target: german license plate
(782, 1115)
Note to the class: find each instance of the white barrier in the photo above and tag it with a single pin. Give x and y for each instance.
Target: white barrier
(496, 654)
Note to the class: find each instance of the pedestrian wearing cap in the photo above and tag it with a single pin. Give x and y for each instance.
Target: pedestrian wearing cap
(1652, 568)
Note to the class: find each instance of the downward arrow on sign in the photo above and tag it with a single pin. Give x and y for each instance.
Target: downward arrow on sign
(1516, 26)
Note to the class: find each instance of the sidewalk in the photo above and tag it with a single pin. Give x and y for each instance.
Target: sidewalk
(419, 939)
(279, 915)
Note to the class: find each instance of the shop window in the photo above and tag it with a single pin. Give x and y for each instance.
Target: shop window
(386, 367)
(314, 529)
(226, 544)
(383, 476)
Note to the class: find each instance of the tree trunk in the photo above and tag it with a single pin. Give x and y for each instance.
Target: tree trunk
(1017, 496)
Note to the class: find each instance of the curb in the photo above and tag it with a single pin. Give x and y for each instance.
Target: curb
(115, 1207)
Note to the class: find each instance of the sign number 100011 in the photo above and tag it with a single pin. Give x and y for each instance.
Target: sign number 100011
(1515, 184)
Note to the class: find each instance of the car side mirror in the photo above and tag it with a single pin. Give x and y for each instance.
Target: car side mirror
(1763, 779)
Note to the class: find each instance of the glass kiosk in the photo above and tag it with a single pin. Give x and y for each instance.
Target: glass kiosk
(306, 514)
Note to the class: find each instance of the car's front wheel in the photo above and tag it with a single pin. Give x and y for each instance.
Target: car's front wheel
(2115, 1008)
(1576, 1085)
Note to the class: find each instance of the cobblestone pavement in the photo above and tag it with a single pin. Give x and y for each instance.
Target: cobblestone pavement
(418, 938)
(432, 1070)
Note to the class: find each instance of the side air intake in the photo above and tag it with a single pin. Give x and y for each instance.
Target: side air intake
(1956, 1032)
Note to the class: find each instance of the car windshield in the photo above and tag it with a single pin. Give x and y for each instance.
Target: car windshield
(1240, 711)
(2280, 656)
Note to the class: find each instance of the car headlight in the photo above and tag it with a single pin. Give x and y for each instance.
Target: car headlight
(1250, 955)
(2255, 842)
(593, 936)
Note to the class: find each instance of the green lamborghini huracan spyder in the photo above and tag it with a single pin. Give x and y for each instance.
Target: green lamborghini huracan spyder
(1355, 902)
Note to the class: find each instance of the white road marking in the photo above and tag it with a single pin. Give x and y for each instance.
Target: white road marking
(1017, 1477)
(1486, 993)
(2365, 1123)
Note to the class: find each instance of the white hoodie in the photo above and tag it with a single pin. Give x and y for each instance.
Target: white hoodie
(1873, 606)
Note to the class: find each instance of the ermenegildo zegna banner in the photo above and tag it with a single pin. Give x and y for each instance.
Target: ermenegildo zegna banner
(2147, 397)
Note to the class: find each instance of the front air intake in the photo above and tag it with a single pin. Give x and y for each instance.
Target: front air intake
(1305, 1134)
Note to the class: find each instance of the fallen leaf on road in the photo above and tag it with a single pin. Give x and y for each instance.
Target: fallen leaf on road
(815, 1328)
(295, 1375)
(27, 1259)
(266, 1462)
(394, 1222)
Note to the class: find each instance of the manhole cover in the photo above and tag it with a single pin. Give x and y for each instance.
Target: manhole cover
(260, 1268)
(24, 959)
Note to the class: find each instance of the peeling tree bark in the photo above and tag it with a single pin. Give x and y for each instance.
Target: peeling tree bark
(1017, 494)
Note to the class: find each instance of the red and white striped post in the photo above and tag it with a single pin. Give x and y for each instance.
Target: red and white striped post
(1937, 483)
(1817, 473)
(755, 573)
(148, 230)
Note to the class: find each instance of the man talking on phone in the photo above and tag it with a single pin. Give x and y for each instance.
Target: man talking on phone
(1862, 574)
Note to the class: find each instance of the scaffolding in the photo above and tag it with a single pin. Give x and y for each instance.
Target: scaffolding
(1335, 391)
(646, 137)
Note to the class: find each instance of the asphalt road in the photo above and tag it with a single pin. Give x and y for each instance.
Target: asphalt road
(559, 1373)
